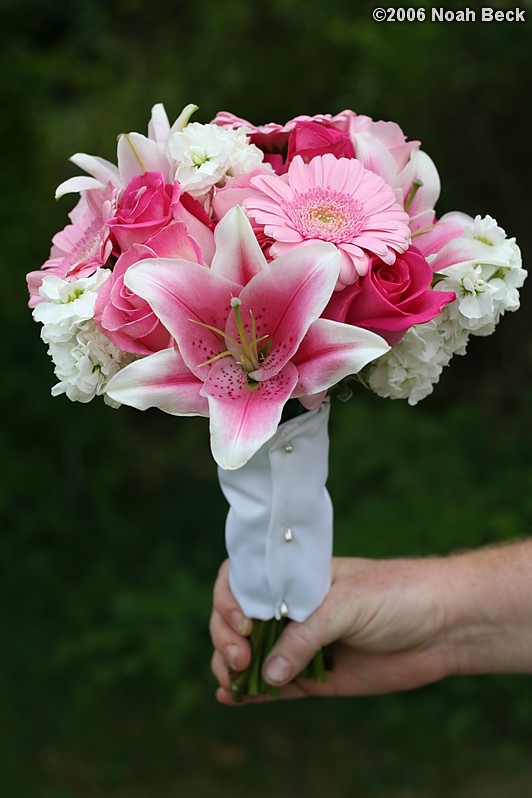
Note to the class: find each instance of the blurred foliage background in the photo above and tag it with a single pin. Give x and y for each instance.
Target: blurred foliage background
(112, 523)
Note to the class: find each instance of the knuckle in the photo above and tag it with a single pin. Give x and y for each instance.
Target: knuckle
(300, 637)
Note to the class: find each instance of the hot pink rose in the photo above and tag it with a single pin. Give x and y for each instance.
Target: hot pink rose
(309, 138)
(145, 206)
(390, 299)
(126, 319)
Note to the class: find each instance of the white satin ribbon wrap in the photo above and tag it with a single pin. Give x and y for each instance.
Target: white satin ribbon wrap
(279, 528)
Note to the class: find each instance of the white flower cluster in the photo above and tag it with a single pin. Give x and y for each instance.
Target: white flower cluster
(84, 358)
(414, 365)
(486, 275)
(207, 155)
(487, 283)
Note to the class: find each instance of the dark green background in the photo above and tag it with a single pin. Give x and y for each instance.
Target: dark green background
(112, 522)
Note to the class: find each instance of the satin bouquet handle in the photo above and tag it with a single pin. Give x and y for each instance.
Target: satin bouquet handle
(279, 530)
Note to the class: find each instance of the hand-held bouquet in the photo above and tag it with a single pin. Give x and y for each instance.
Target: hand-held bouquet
(247, 273)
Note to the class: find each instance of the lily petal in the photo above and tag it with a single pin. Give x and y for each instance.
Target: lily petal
(181, 294)
(242, 419)
(331, 351)
(184, 117)
(465, 250)
(286, 298)
(75, 184)
(238, 254)
(137, 154)
(159, 125)
(100, 168)
(420, 167)
(160, 380)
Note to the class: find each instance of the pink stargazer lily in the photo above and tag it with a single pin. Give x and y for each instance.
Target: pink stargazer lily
(249, 334)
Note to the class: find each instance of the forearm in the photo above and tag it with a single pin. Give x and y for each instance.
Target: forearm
(487, 597)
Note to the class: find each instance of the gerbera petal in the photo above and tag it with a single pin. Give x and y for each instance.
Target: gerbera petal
(160, 380)
(272, 186)
(298, 173)
(243, 418)
(283, 233)
(332, 199)
(342, 179)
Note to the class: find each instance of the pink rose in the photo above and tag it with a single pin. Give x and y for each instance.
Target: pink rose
(304, 135)
(126, 319)
(390, 299)
(236, 190)
(309, 138)
(145, 206)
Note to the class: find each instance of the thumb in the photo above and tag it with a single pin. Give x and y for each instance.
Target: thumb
(296, 648)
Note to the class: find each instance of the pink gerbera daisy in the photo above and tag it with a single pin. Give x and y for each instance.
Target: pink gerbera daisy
(331, 199)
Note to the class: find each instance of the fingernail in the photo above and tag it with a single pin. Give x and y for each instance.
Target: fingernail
(278, 670)
(240, 623)
(231, 655)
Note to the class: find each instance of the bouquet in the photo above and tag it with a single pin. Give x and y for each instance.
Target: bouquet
(247, 274)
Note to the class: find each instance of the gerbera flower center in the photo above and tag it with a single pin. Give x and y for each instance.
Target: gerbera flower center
(326, 214)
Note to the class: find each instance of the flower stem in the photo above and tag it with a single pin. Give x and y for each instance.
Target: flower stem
(263, 638)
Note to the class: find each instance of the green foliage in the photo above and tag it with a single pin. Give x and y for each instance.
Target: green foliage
(112, 521)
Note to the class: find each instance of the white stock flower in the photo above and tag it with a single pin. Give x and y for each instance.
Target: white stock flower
(84, 358)
(486, 273)
(474, 308)
(245, 157)
(67, 304)
(85, 363)
(206, 155)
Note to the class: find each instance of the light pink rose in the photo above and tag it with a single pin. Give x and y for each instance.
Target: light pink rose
(390, 298)
(126, 319)
(146, 205)
(380, 144)
(236, 190)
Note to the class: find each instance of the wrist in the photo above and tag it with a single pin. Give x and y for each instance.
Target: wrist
(487, 610)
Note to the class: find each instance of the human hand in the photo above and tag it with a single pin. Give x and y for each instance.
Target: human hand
(385, 619)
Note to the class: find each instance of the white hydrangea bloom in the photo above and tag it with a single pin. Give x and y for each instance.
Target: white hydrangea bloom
(67, 304)
(85, 363)
(414, 365)
(206, 155)
(453, 337)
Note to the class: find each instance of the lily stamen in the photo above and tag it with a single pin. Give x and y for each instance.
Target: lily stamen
(247, 349)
